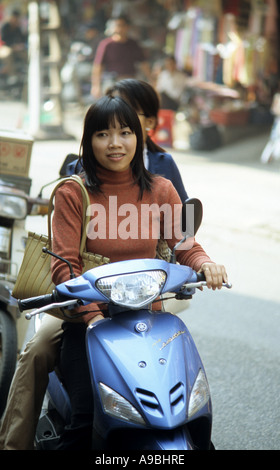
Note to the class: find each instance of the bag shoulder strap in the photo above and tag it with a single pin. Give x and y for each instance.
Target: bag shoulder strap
(86, 203)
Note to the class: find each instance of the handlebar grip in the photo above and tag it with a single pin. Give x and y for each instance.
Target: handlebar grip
(200, 277)
(36, 302)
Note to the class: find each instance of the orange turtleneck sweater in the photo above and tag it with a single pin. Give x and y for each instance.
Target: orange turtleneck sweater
(117, 228)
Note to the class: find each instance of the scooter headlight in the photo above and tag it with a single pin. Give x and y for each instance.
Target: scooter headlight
(117, 406)
(200, 394)
(13, 207)
(132, 290)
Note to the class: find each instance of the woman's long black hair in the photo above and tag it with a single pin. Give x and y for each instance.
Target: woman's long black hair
(101, 115)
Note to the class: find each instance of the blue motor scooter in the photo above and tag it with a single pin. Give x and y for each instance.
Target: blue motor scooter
(148, 381)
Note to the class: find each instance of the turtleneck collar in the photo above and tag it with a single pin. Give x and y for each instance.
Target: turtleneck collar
(115, 177)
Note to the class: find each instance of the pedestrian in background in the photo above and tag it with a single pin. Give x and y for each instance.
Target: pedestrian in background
(117, 57)
(272, 149)
(12, 34)
(15, 41)
(170, 83)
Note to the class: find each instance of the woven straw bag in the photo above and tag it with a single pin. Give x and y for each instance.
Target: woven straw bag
(163, 251)
(34, 277)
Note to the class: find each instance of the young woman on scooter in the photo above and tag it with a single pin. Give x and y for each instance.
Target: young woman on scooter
(112, 155)
(31, 377)
(41, 352)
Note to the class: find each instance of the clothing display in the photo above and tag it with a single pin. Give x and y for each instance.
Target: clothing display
(235, 33)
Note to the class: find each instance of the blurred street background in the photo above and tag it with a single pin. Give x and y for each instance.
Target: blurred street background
(217, 134)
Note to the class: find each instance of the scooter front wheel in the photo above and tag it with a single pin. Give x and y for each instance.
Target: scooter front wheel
(8, 355)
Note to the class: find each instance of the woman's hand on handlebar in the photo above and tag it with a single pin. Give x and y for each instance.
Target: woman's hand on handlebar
(215, 275)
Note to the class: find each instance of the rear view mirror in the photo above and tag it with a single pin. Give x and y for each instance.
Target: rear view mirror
(192, 212)
(191, 218)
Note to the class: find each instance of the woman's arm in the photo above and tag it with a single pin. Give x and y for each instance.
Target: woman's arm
(191, 253)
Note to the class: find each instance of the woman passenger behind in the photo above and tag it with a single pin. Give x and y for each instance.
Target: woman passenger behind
(145, 100)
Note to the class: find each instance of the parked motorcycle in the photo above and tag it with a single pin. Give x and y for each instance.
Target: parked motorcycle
(13, 73)
(148, 381)
(15, 206)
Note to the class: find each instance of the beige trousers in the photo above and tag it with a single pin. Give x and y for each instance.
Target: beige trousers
(29, 385)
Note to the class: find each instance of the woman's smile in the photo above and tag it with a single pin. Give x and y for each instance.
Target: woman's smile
(116, 156)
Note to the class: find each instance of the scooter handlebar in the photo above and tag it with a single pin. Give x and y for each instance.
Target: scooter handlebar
(200, 277)
(201, 281)
(42, 303)
(36, 302)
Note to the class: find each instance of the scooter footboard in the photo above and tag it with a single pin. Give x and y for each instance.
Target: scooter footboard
(59, 397)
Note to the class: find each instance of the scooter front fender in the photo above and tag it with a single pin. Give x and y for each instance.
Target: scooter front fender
(151, 439)
(148, 358)
(178, 439)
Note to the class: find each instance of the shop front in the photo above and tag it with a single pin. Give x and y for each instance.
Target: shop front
(226, 48)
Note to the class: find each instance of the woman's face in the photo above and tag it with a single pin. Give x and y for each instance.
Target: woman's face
(147, 123)
(114, 148)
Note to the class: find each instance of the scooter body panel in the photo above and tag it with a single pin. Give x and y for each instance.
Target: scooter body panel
(147, 363)
(154, 368)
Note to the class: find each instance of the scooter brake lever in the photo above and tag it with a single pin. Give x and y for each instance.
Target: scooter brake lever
(65, 304)
(193, 285)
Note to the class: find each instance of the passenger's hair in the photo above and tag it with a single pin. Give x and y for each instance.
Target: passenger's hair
(142, 97)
